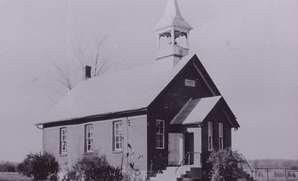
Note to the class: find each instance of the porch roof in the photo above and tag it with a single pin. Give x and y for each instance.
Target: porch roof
(195, 111)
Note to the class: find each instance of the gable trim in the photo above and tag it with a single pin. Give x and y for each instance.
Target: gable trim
(227, 116)
(206, 82)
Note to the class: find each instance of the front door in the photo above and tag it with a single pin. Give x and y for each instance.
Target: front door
(176, 148)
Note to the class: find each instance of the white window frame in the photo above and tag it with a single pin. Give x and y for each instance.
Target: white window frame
(89, 138)
(160, 132)
(117, 136)
(63, 141)
(220, 135)
(210, 136)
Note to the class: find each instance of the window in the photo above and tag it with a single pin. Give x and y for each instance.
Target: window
(210, 136)
(220, 133)
(89, 138)
(63, 141)
(117, 136)
(160, 134)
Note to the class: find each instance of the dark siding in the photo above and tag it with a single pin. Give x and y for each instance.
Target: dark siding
(169, 103)
(216, 116)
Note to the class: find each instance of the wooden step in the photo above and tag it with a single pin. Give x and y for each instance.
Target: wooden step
(189, 179)
(194, 173)
(184, 173)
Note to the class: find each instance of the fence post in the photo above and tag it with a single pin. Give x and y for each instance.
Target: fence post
(267, 175)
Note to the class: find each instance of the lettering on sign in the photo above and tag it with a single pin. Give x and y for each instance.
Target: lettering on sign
(190, 83)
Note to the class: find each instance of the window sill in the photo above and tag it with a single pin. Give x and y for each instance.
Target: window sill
(117, 151)
(63, 155)
(160, 148)
(89, 153)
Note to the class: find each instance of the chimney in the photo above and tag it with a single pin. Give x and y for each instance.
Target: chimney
(87, 72)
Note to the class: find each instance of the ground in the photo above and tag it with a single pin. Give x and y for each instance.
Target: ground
(13, 176)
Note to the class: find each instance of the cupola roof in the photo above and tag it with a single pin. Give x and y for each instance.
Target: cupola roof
(172, 17)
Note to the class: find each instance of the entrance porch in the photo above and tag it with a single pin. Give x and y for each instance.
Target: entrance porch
(185, 148)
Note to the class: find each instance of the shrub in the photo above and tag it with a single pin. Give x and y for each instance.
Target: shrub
(93, 168)
(39, 166)
(132, 171)
(225, 165)
(7, 167)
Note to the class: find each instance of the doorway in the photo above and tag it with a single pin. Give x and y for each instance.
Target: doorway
(176, 148)
(189, 148)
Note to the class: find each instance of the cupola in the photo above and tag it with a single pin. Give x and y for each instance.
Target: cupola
(172, 36)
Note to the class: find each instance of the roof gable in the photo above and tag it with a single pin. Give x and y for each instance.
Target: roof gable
(196, 63)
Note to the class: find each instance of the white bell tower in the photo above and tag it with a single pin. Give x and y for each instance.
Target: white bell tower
(172, 37)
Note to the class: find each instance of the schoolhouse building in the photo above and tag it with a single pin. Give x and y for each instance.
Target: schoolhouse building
(170, 115)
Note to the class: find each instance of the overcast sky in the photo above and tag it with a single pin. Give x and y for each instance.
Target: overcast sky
(249, 48)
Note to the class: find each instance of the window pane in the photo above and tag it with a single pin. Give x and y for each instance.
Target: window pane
(209, 143)
(159, 141)
(161, 127)
(157, 123)
(63, 141)
(210, 129)
(88, 139)
(220, 143)
(117, 132)
(220, 129)
(159, 133)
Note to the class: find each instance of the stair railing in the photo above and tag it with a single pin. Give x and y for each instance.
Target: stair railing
(187, 156)
(245, 161)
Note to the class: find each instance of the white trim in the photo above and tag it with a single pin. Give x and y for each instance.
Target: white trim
(227, 115)
(201, 74)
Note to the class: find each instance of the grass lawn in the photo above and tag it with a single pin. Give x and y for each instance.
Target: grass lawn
(13, 176)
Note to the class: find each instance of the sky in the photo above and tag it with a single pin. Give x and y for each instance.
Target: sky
(248, 47)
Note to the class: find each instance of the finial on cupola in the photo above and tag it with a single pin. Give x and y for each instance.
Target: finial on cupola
(172, 36)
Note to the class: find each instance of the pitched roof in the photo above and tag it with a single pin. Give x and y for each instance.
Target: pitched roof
(126, 90)
(195, 111)
(172, 17)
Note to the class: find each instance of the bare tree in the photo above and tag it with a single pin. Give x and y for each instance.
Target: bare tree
(84, 52)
